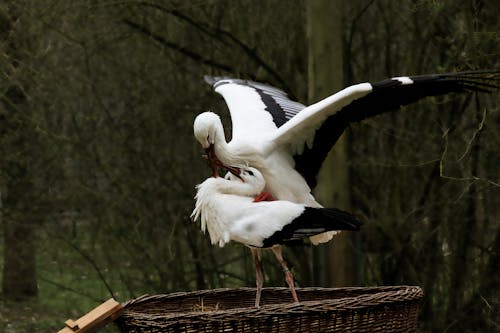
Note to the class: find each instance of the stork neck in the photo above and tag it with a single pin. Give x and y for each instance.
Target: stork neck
(239, 188)
(221, 147)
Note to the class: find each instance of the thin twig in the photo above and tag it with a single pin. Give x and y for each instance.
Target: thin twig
(61, 286)
(217, 33)
(91, 261)
(176, 47)
(476, 133)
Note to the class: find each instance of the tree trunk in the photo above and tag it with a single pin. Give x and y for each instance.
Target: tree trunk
(334, 264)
(19, 267)
(16, 138)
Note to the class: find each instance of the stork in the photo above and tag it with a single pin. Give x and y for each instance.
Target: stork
(228, 211)
(288, 141)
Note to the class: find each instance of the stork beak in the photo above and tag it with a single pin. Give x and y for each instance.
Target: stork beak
(215, 163)
(209, 149)
(212, 159)
(206, 156)
(235, 171)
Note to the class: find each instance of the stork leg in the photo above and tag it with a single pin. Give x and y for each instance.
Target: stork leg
(288, 275)
(258, 274)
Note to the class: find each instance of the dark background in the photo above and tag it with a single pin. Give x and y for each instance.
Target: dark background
(98, 162)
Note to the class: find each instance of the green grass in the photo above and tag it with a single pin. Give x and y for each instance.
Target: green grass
(67, 288)
(69, 285)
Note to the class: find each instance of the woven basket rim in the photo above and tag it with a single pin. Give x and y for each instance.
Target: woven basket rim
(370, 297)
(383, 308)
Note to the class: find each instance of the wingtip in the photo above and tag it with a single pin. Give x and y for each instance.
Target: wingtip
(211, 80)
(216, 81)
(351, 220)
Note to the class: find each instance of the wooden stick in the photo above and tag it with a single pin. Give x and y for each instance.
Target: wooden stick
(95, 319)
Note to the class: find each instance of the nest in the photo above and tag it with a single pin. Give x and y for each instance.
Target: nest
(355, 309)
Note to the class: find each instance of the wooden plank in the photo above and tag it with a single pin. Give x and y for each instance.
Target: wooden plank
(66, 330)
(71, 324)
(95, 319)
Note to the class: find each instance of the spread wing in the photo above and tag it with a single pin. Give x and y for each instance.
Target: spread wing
(262, 111)
(256, 109)
(313, 132)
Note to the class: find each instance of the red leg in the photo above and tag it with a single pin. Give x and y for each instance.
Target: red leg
(258, 274)
(288, 275)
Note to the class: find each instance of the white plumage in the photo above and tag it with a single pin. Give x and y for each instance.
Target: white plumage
(227, 210)
(288, 141)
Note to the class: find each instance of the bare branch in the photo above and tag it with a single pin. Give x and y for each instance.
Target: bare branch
(219, 34)
(476, 133)
(90, 260)
(63, 287)
(176, 47)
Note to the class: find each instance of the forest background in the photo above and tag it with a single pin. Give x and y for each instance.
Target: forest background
(98, 162)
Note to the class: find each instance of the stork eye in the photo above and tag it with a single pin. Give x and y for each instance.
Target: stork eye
(250, 173)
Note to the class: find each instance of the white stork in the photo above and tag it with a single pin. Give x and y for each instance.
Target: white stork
(288, 141)
(228, 210)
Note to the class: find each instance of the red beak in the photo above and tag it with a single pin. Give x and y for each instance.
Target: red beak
(212, 159)
(234, 171)
(215, 163)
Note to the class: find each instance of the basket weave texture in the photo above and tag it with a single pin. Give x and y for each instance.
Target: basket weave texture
(354, 309)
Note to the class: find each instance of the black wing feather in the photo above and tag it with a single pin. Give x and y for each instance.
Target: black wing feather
(276, 100)
(387, 95)
(311, 222)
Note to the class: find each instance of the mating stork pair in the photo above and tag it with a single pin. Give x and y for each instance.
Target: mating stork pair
(276, 151)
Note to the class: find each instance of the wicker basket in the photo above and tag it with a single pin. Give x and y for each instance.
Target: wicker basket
(356, 309)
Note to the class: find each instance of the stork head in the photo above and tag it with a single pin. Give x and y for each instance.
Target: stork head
(253, 177)
(205, 128)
